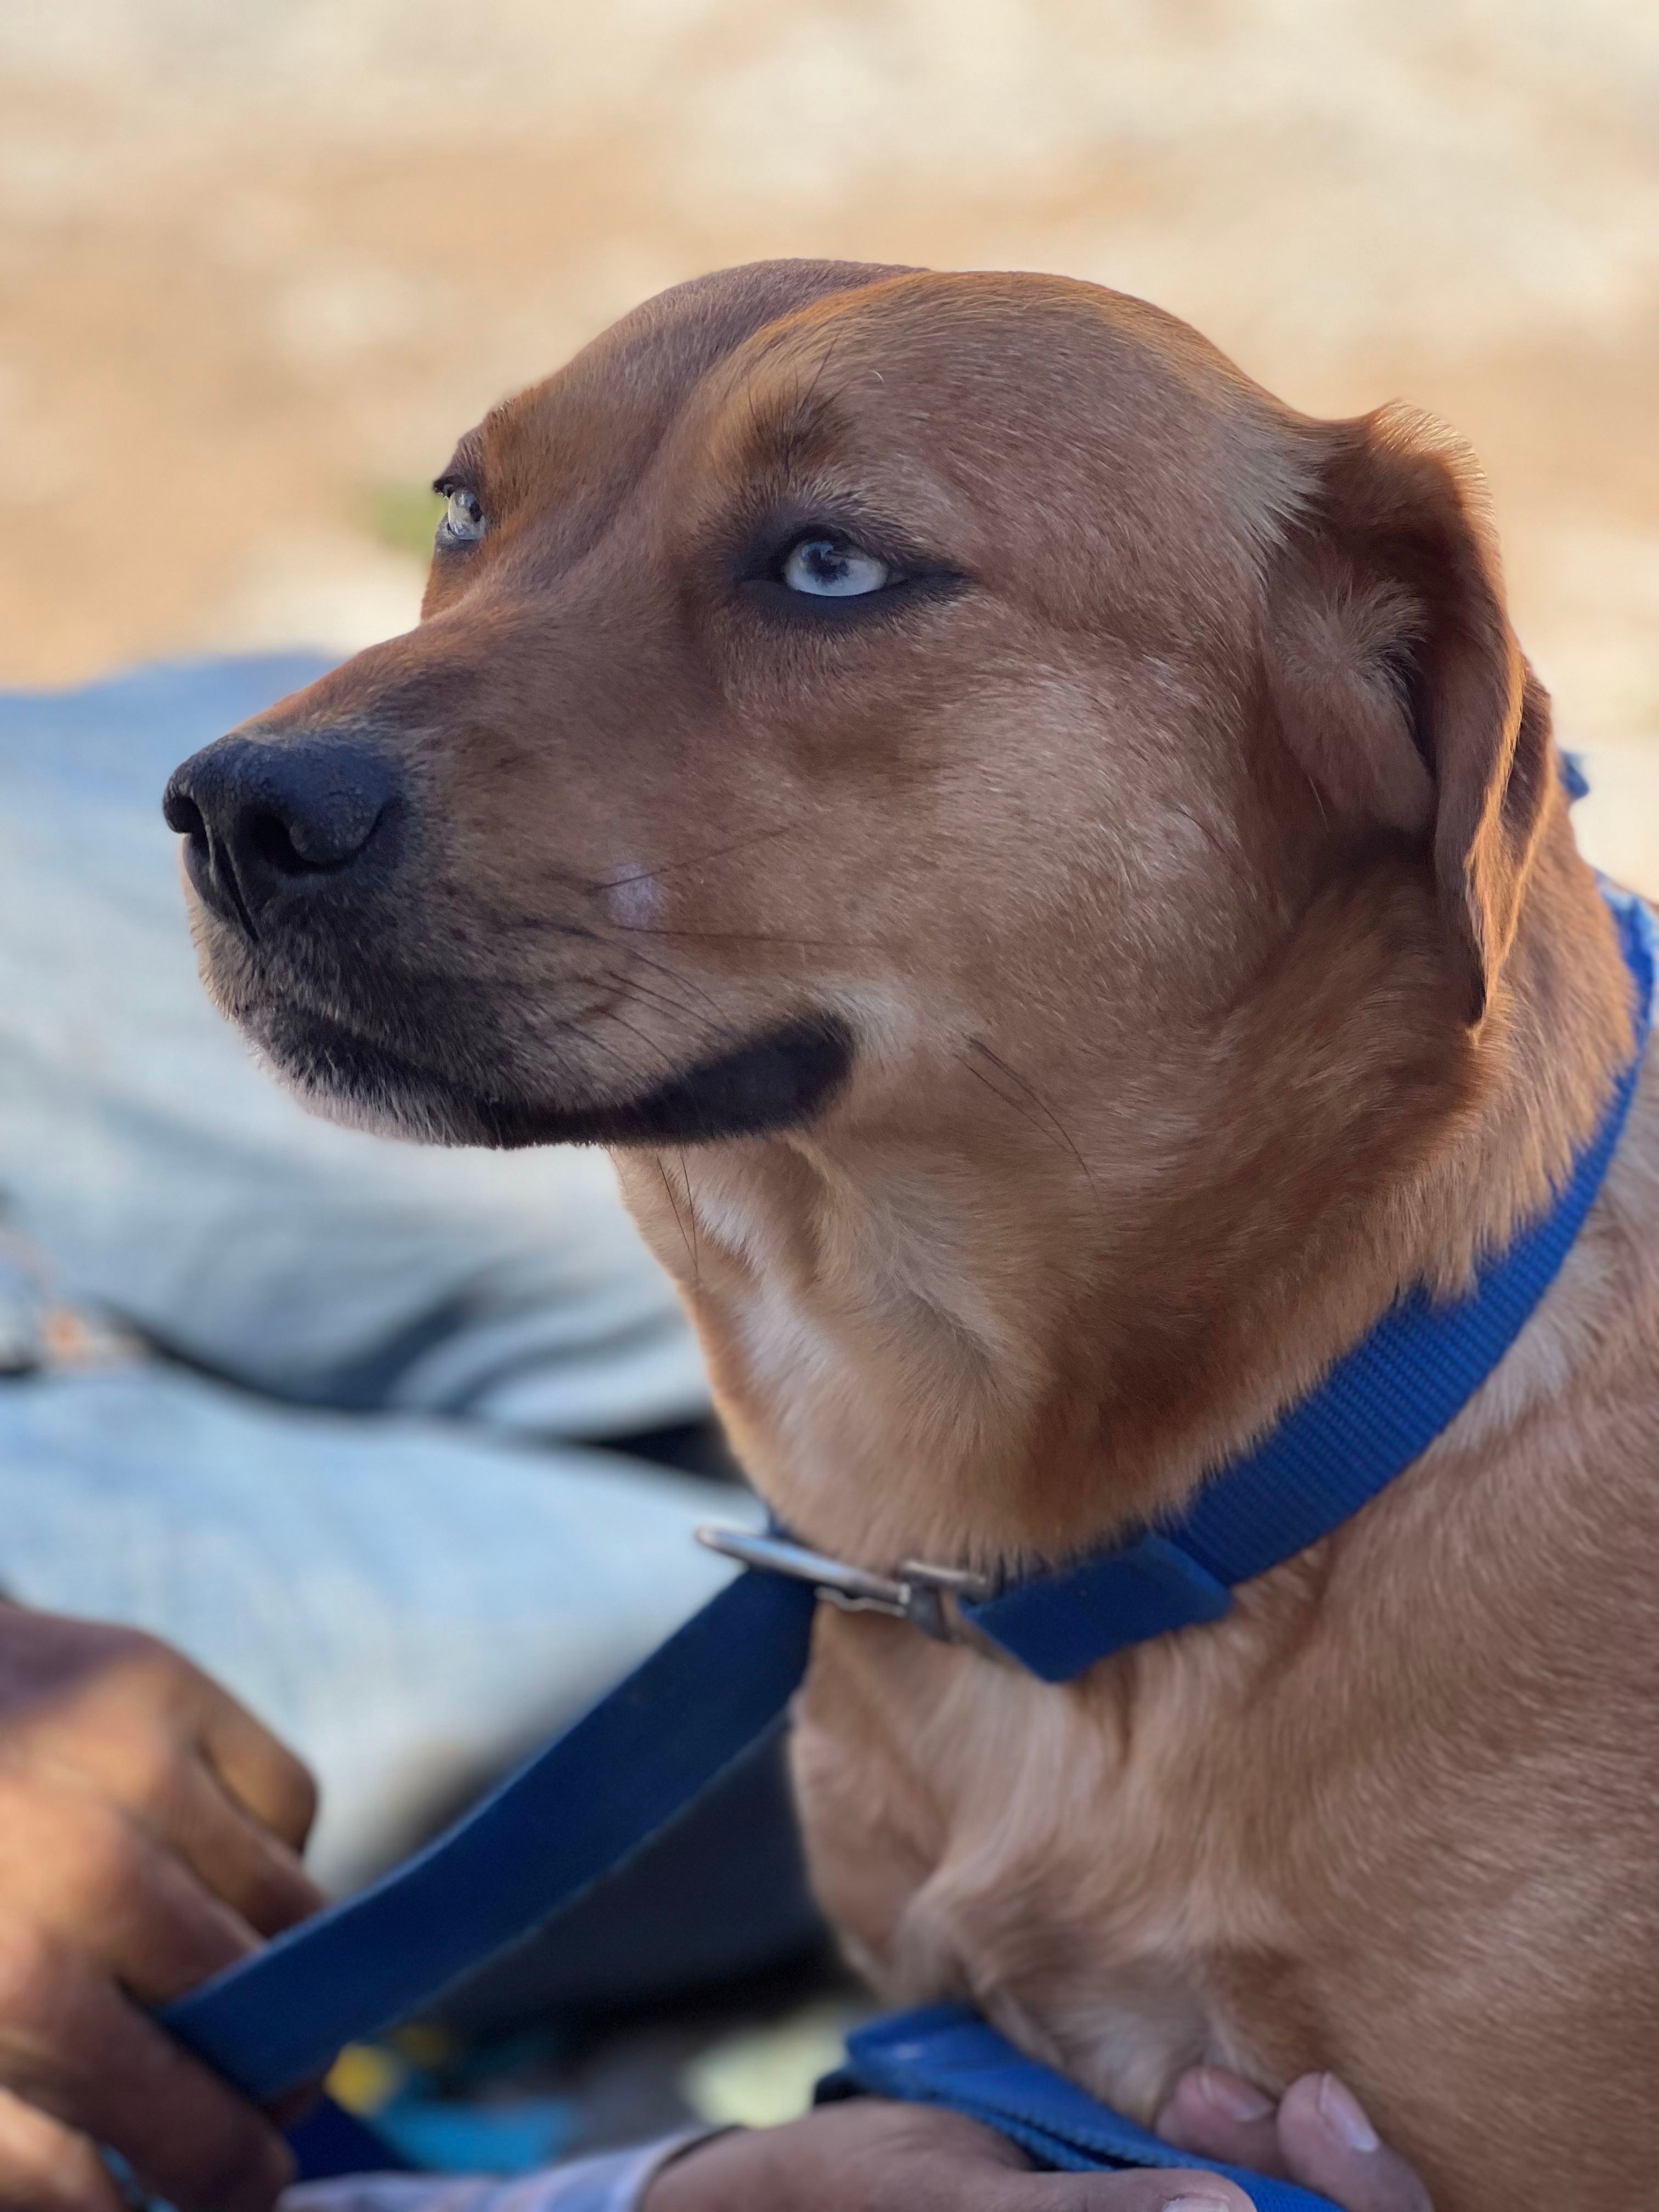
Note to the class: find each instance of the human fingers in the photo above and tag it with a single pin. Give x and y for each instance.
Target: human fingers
(252, 1868)
(77, 2049)
(1217, 2114)
(154, 1701)
(45, 2166)
(838, 2157)
(140, 1729)
(87, 1873)
(881, 2157)
(1329, 2145)
(259, 1771)
(141, 1725)
(868, 2152)
(1145, 2190)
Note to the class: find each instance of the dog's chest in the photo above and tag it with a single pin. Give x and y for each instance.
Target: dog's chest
(973, 1831)
(1275, 1845)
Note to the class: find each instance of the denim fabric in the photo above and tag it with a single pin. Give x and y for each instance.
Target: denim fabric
(408, 1603)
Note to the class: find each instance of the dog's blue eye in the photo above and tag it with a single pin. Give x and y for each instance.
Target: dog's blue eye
(462, 522)
(828, 569)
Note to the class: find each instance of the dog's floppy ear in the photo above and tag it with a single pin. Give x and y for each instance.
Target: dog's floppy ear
(1398, 682)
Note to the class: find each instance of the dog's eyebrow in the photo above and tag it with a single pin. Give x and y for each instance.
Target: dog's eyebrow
(799, 435)
(465, 464)
(797, 430)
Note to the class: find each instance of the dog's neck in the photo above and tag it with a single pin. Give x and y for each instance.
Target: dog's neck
(999, 1336)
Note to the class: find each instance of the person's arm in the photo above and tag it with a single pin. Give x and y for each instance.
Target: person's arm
(149, 1833)
(881, 2157)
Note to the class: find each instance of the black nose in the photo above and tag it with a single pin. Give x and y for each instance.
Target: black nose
(262, 818)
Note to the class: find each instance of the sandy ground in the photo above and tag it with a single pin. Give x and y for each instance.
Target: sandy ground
(258, 263)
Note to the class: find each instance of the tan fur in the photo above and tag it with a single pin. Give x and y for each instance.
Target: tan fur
(1196, 882)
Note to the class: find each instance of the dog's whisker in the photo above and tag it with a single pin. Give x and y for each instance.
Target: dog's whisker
(661, 1053)
(809, 411)
(1014, 1105)
(692, 1213)
(1043, 1107)
(745, 937)
(592, 1042)
(719, 1030)
(676, 979)
(696, 860)
(668, 1193)
(1050, 1123)
(538, 924)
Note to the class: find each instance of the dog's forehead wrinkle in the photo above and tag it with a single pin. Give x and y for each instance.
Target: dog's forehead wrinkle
(648, 365)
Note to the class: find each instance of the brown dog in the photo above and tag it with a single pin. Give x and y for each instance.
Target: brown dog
(1050, 869)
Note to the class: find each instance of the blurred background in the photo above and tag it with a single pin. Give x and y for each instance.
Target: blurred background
(259, 264)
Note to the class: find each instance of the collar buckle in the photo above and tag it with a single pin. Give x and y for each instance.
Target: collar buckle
(926, 1596)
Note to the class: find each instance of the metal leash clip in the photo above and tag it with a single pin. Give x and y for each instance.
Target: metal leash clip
(919, 1593)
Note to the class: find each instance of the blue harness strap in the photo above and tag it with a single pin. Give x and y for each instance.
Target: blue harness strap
(946, 2055)
(644, 1753)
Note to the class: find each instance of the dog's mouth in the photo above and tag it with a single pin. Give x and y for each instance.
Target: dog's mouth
(777, 1079)
(435, 1023)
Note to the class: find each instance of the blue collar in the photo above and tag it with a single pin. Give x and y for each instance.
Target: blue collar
(1378, 1410)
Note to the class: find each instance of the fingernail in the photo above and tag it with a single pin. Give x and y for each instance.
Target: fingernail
(1346, 2115)
(1197, 2205)
(1228, 2095)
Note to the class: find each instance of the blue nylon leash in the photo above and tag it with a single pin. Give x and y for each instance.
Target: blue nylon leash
(946, 2055)
(575, 1811)
(641, 1757)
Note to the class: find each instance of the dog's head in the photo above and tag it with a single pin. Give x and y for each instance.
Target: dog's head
(838, 678)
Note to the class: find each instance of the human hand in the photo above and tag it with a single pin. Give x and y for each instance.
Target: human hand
(1317, 2134)
(868, 2155)
(149, 1834)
